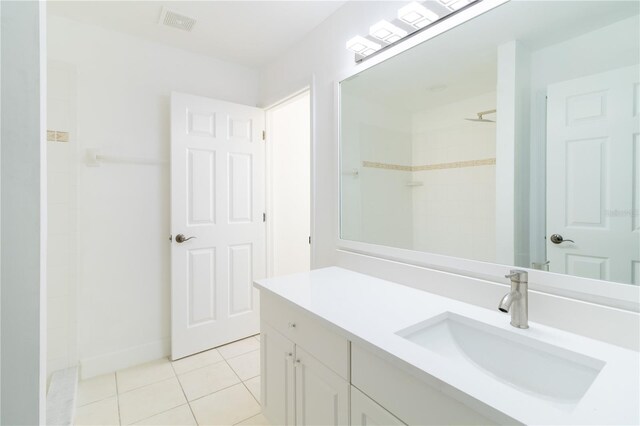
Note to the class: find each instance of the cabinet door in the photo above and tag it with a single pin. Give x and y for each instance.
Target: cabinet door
(277, 377)
(322, 397)
(366, 412)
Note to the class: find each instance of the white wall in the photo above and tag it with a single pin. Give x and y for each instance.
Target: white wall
(454, 211)
(62, 219)
(289, 144)
(23, 227)
(321, 57)
(512, 148)
(123, 91)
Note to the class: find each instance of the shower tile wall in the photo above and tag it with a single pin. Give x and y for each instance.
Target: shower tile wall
(62, 213)
(376, 205)
(454, 210)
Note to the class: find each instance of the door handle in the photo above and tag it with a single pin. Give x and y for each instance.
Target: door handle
(180, 238)
(557, 239)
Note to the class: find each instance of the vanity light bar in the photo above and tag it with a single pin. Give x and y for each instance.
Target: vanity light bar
(386, 31)
(413, 16)
(417, 15)
(455, 4)
(362, 46)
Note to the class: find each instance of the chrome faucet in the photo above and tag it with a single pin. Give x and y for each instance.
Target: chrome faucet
(517, 300)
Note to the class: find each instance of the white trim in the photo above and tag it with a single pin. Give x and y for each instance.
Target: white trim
(307, 90)
(44, 221)
(129, 357)
(617, 295)
(621, 296)
(313, 171)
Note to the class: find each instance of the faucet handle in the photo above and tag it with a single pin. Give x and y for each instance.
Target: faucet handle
(517, 274)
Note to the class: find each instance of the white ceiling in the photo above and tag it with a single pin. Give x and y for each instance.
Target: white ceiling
(251, 33)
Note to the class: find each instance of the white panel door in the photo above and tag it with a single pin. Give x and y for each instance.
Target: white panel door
(217, 200)
(277, 377)
(592, 176)
(322, 397)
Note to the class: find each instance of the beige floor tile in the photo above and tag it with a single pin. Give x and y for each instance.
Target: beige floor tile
(226, 407)
(103, 412)
(144, 374)
(180, 416)
(238, 348)
(258, 420)
(247, 365)
(254, 387)
(150, 400)
(196, 361)
(206, 380)
(96, 388)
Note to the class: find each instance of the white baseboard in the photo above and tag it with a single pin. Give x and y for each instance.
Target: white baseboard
(108, 363)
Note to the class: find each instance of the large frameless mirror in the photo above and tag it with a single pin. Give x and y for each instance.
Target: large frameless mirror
(511, 139)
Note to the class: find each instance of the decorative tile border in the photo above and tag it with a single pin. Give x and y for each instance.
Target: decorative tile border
(456, 165)
(438, 166)
(386, 166)
(56, 136)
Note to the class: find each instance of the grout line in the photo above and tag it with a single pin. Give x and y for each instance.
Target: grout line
(219, 390)
(150, 383)
(244, 353)
(184, 393)
(238, 356)
(246, 387)
(248, 418)
(197, 368)
(115, 377)
(251, 393)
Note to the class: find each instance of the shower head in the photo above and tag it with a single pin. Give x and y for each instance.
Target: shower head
(480, 117)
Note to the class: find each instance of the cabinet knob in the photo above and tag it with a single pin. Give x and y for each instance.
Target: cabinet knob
(297, 363)
(292, 325)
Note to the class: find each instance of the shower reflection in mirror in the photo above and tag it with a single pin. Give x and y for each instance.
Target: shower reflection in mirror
(522, 148)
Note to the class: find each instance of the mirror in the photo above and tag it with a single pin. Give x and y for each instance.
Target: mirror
(511, 139)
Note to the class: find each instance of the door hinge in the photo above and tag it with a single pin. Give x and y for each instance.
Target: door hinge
(264, 217)
(264, 135)
(309, 239)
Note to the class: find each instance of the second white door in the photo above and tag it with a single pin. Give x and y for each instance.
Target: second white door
(217, 207)
(288, 141)
(592, 176)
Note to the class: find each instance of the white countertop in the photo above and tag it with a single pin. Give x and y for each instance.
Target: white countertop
(369, 311)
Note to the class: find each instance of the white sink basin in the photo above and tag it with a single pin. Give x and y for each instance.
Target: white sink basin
(522, 362)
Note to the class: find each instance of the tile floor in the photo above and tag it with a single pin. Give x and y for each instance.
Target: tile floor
(217, 387)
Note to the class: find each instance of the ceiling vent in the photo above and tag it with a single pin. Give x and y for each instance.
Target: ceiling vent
(176, 20)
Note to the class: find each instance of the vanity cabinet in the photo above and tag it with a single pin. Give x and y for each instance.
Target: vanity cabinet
(300, 385)
(322, 397)
(277, 376)
(312, 375)
(411, 399)
(366, 412)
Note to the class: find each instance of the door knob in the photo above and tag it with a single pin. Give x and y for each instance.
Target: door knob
(180, 238)
(557, 239)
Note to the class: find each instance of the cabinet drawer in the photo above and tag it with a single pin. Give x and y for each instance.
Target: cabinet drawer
(328, 347)
(412, 400)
